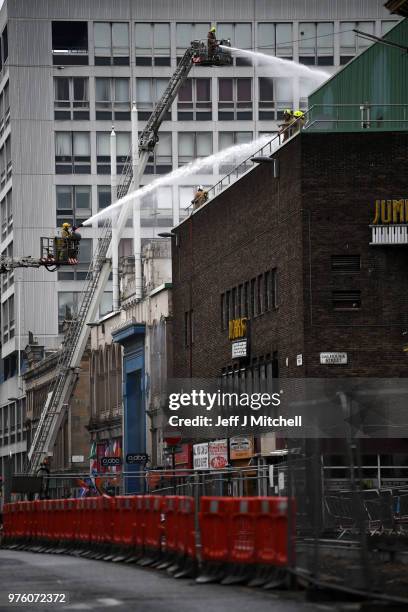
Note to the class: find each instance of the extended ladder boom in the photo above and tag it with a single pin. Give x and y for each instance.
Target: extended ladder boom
(77, 334)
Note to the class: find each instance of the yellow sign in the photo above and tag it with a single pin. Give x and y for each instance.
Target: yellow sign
(237, 328)
(390, 211)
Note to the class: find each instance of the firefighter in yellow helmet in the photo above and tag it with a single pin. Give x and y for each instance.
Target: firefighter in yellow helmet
(211, 42)
(288, 120)
(299, 117)
(66, 230)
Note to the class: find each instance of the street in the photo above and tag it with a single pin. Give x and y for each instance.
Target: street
(96, 585)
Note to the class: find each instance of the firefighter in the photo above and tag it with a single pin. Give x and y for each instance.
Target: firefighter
(211, 42)
(288, 120)
(66, 230)
(69, 244)
(299, 120)
(200, 197)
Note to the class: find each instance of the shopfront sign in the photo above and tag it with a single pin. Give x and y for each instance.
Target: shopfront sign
(132, 458)
(241, 447)
(111, 461)
(390, 211)
(201, 456)
(218, 454)
(333, 358)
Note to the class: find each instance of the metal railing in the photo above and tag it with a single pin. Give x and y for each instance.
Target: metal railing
(357, 117)
(247, 164)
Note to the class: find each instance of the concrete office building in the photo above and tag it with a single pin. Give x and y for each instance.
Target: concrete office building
(69, 71)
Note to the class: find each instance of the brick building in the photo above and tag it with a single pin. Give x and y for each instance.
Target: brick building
(292, 254)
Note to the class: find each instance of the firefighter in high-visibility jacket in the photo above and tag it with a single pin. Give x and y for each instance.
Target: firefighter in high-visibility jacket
(68, 244)
(200, 197)
(211, 42)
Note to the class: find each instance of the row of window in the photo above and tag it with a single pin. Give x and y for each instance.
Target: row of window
(152, 41)
(73, 150)
(251, 298)
(259, 376)
(194, 103)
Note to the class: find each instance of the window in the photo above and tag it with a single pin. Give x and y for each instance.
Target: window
(7, 279)
(112, 99)
(230, 139)
(350, 43)
(80, 271)
(6, 167)
(73, 204)
(345, 263)
(240, 35)
(194, 144)
(259, 290)
(6, 207)
(103, 151)
(188, 328)
(4, 108)
(70, 42)
(346, 300)
(4, 46)
(186, 32)
(252, 312)
(71, 98)
(234, 99)
(67, 307)
(194, 100)
(148, 93)
(157, 208)
(72, 153)
(111, 44)
(7, 318)
(266, 99)
(283, 95)
(160, 161)
(316, 44)
(152, 43)
(104, 196)
(275, 39)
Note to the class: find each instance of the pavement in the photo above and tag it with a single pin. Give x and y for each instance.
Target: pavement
(99, 585)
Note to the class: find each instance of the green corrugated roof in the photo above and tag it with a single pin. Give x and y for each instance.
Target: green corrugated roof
(378, 77)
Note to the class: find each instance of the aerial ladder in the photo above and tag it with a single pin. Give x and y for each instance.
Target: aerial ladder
(76, 336)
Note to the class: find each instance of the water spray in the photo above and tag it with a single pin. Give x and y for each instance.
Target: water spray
(236, 153)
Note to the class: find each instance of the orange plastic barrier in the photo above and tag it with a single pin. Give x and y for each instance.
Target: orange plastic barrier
(153, 508)
(140, 523)
(248, 533)
(214, 524)
(242, 526)
(186, 536)
(272, 526)
(172, 522)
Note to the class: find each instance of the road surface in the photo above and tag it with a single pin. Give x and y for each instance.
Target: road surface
(99, 585)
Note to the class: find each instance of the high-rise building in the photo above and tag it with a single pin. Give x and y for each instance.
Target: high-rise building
(70, 70)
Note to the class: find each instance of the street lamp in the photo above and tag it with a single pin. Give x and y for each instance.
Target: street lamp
(263, 159)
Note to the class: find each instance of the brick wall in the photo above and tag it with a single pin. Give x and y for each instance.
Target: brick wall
(320, 206)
